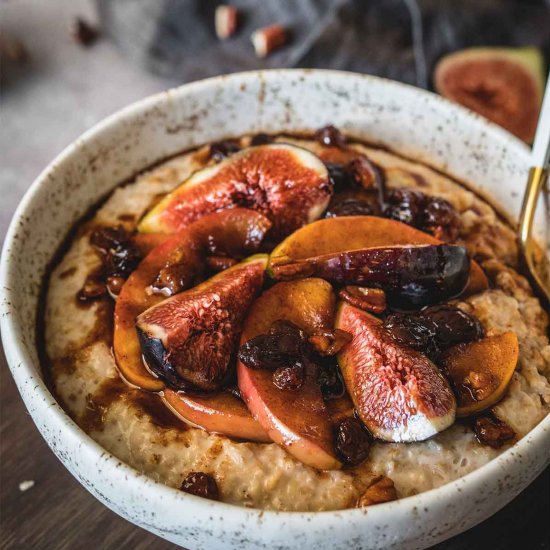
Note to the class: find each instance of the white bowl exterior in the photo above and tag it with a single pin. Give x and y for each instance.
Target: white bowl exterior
(414, 122)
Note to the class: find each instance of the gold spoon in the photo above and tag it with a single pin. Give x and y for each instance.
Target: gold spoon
(536, 183)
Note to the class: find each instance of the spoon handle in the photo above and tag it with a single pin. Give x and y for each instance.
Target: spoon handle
(540, 156)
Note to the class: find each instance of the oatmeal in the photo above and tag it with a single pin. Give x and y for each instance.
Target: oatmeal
(134, 418)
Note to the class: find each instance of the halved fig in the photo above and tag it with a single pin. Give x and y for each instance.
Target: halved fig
(222, 413)
(238, 232)
(398, 393)
(412, 276)
(503, 84)
(338, 235)
(481, 371)
(286, 183)
(297, 420)
(190, 339)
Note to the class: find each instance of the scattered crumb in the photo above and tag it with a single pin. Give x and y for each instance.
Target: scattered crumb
(267, 39)
(83, 32)
(226, 21)
(26, 485)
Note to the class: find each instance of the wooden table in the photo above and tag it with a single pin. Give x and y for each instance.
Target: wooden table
(57, 513)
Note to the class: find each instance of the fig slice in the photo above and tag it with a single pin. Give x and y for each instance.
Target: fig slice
(412, 276)
(338, 235)
(398, 393)
(298, 420)
(481, 371)
(222, 413)
(288, 184)
(503, 84)
(237, 232)
(190, 339)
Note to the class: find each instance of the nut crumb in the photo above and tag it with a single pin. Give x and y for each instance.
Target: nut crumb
(267, 39)
(26, 485)
(380, 490)
(225, 21)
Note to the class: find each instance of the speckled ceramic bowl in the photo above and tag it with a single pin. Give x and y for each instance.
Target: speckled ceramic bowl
(412, 121)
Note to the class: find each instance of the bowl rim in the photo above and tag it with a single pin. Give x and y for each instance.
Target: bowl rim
(20, 363)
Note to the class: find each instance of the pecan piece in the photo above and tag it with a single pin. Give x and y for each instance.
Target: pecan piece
(267, 39)
(201, 485)
(380, 490)
(368, 299)
(492, 431)
(329, 341)
(225, 21)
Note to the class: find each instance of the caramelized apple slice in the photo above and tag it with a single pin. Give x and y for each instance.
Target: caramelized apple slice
(297, 420)
(337, 235)
(399, 394)
(222, 413)
(412, 276)
(481, 371)
(190, 339)
(286, 183)
(236, 232)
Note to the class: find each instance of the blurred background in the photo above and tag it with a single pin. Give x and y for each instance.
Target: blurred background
(65, 65)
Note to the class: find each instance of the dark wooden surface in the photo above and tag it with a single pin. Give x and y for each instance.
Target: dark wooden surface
(57, 513)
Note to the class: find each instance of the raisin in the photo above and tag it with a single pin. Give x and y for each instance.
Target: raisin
(106, 238)
(120, 256)
(114, 285)
(340, 176)
(345, 205)
(261, 139)
(283, 346)
(433, 215)
(330, 379)
(352, 442)
(441, 219)
(405, 205)
(222, 149)
(492, 431)
(433, 329)
(330, 136)
(122, 260)
(201, 485)
(290, 377)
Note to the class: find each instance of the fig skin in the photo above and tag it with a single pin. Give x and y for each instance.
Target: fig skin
(411, 276)
(297, 420)
(189, 339)
(503, 84)
(337, 235)
(237, 231)
(222, 413)
(288, 184)
(481, 371)
(398, 393)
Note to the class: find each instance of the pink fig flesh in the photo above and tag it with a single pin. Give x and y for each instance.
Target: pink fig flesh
(190, 339)
(288, 184)
(399, 394)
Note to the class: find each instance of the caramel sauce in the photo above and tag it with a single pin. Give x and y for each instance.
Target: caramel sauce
(114, 389)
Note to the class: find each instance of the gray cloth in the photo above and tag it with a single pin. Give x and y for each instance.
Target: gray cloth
(398, 39)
